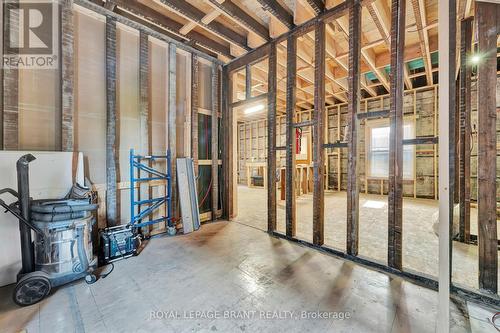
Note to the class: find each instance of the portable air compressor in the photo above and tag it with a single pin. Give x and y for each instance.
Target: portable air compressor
(118, 242)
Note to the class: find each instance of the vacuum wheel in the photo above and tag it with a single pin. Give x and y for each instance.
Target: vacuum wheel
(90, 278)
(31, 289)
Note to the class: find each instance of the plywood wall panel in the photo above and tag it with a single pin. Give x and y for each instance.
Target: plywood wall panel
(90, 112)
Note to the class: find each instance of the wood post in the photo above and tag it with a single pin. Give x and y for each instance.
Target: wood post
(319, 135)
(465, 128)
(452, 150)
(227, 130)
(248, 81)
(215, 140)
(291, 72)
(111, 149)
(67, 75)
(271, 139)
(395, 235)
(172, 123)
(1, 76)
(195, 84)
(10, 90)
(145, 191)
(353, 109)
(487, 30)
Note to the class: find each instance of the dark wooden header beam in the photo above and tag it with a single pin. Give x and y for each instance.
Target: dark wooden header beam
(317, 5)
(261, 52)
(273, 7)
(196, 15)
(241, 16)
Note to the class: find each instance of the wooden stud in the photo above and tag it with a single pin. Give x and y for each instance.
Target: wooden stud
(319, 135)
(215, 140)
(452, 82)
(145, 191)
(248, 82)
(353, 140)
(1, 77)
(395, 216)
(487, 30)
(465, 128)
(291, 73)
(195, 84)
(271, 140)
(172, 122)
(111, 149)
(67, 74)
(10, 91)
(227, 135)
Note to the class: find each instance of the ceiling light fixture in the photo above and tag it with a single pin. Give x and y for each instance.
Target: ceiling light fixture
(254, 108)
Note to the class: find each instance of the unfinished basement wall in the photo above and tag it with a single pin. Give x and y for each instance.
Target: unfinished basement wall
(37, 94)
(419, 110)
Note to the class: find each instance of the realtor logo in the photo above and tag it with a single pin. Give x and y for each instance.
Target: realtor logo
(30, 31)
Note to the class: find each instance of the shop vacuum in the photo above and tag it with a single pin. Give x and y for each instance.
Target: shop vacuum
(62, 248)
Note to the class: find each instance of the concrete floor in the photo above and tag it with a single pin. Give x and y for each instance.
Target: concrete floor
(233, 267)
(420, 243)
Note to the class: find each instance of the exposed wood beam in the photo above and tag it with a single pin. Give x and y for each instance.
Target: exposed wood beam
(290, 136)
(319, 135)
(421, 21)
(380, 16)
(194, 14)
(172, 120)
(487, 15)
(271, 139)
(215, 139)
(317, 5)
(240, 16)
(195, 87)
(353, 140)
(168, 24)
(275, 9)
(67, 75)
(465, 128)
(111, 149)
(395, 207)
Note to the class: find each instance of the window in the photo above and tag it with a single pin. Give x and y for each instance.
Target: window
(378, 150)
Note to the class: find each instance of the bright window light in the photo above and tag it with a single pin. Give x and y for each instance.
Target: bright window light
(255, 108)
(475, 59)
